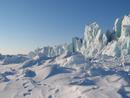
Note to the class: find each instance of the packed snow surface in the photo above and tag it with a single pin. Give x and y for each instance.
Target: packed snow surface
(102, 77)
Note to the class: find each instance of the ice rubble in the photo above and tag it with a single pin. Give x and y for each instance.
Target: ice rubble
(95, 41)
(115, 43)
(49, 51)
(120, 46)
(76, 44)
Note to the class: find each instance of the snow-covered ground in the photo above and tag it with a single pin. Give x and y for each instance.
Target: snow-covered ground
(101, 77)
(97, 66)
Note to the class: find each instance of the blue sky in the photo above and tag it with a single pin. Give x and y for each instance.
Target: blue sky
(28, 24)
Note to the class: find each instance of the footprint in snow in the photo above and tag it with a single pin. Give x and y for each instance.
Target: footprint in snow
(25, 83)
(45, 84)
(56, 91)
(29, 90)
(25, 86)
(25, 94)
(50, 96)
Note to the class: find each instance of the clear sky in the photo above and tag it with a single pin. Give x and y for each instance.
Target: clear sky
(28, 24)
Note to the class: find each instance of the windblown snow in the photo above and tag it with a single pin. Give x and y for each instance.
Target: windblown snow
(95, 66)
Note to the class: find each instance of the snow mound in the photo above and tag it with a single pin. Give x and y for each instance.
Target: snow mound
(51, 70)
(29, 63)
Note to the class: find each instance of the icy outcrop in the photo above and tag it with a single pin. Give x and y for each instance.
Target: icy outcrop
(125, 27)
(122, 45)
(78, 62)
(117, 27)
(48, 51)
(122, 27)
(124, 39)
(76, 44)
(112, 49)
(77, 58)
(94, 40)
(116, 43)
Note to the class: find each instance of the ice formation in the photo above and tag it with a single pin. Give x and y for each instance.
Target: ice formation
(120, 46)
(76, 44)
(49, 51)
(94, 40)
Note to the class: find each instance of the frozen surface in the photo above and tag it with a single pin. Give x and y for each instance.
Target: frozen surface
(101, 77)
